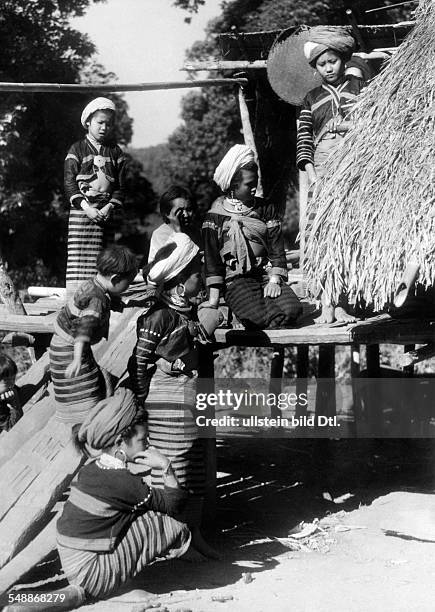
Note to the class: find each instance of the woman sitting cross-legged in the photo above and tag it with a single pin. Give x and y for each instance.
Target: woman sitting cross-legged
(113, 524)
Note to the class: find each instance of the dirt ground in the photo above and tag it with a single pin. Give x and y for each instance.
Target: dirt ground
(373, 549)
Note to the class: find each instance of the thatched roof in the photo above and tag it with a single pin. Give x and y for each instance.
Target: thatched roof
(375, 209)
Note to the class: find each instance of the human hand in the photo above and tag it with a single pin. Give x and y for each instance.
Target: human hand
(152, 458)
(106, 211)
(312, 175)
(73, 369)
(94, 214)
(272, 290)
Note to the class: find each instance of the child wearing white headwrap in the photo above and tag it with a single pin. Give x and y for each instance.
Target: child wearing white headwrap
(164, 367)
(94, 175)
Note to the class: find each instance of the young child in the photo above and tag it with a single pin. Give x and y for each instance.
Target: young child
(163, 372)
(177, 209)
(94, 185)
(82, 322)
(324, 117)
(113, 525)
(10, 405)
(244, 249)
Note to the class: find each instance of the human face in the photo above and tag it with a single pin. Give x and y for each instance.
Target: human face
(136, 444)
(330, 66)
(119, 284)
(245, 190)
(100, 125)
(7, 384)
(180, 214)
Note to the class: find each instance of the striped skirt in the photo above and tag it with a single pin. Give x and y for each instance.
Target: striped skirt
(173, 431)
(244, 295)
(151, 536)
(86, 240)
(74, 396)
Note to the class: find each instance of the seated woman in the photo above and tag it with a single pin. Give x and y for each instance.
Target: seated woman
(113, 524)
(244, 249)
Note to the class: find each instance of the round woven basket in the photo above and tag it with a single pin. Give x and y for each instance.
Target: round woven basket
(289, 74)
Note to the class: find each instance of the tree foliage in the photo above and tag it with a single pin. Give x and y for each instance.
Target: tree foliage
(211, 121)
(36, 129)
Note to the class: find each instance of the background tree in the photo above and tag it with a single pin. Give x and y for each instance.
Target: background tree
(36, 130)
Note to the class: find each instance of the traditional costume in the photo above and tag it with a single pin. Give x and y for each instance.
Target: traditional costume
(10, 409)
(243, 247)
(85, 317)
(325, 106)
(113, 524)
(163, 372)
(94, 174)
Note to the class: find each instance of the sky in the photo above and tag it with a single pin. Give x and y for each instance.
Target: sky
(144, 41)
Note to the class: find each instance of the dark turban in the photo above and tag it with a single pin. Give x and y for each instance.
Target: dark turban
(323, 38)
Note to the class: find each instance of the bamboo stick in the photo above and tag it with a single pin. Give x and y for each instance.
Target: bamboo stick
(113, 87)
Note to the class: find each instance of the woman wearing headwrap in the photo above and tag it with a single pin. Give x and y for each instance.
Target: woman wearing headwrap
(94, 175)
(244, 248)
(163, 371)
(113, 524)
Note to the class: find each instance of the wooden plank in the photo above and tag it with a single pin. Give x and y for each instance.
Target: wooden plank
(39, 548)
(276, 371)
(25, 519)
(325, 394)
(42, 324)
(35, 377)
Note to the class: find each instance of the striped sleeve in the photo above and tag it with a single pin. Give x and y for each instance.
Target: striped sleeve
(305, 140)
(214, 266)
(71, 170)
(118, 195)
(141, 366)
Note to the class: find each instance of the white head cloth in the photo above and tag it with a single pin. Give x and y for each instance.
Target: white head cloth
(182, 254)
(237, 157)
(94, 106)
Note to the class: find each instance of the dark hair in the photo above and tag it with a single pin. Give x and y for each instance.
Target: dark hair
(238, 176)
(8, 367)
(171, 194)
(116, 260)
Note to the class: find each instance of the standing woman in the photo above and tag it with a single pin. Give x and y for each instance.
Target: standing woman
(164, 369)
(94, 177)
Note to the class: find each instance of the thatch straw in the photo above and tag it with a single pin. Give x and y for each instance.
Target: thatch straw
(376, 207)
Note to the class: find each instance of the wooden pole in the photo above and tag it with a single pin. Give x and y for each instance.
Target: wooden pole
(248, 135)
(276, 371)
(8, 293)
(113, 87)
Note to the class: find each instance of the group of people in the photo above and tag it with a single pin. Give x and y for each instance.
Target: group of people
(116, 520)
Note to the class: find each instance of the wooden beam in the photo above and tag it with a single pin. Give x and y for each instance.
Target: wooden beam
(114, 87)
(225, 65)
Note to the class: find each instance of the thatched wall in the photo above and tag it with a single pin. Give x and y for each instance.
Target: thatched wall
(375, 210)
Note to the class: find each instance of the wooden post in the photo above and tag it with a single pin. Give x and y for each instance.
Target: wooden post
(205, 382)
(355, 380)
(248, 135)
(8, 293)
(374, 371)
(276, 370)
(302, 362)
(303, 201)
(325, 396)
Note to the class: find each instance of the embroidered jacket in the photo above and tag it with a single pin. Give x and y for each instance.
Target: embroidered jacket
(321, 105)
(222, 263)
(163, 333)
(96, 175)
(104, 502)
(86, 315)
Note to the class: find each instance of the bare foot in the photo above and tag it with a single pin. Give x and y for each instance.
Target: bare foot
(344, 317)
(327, 315)
(135, 596)
(202, 547)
